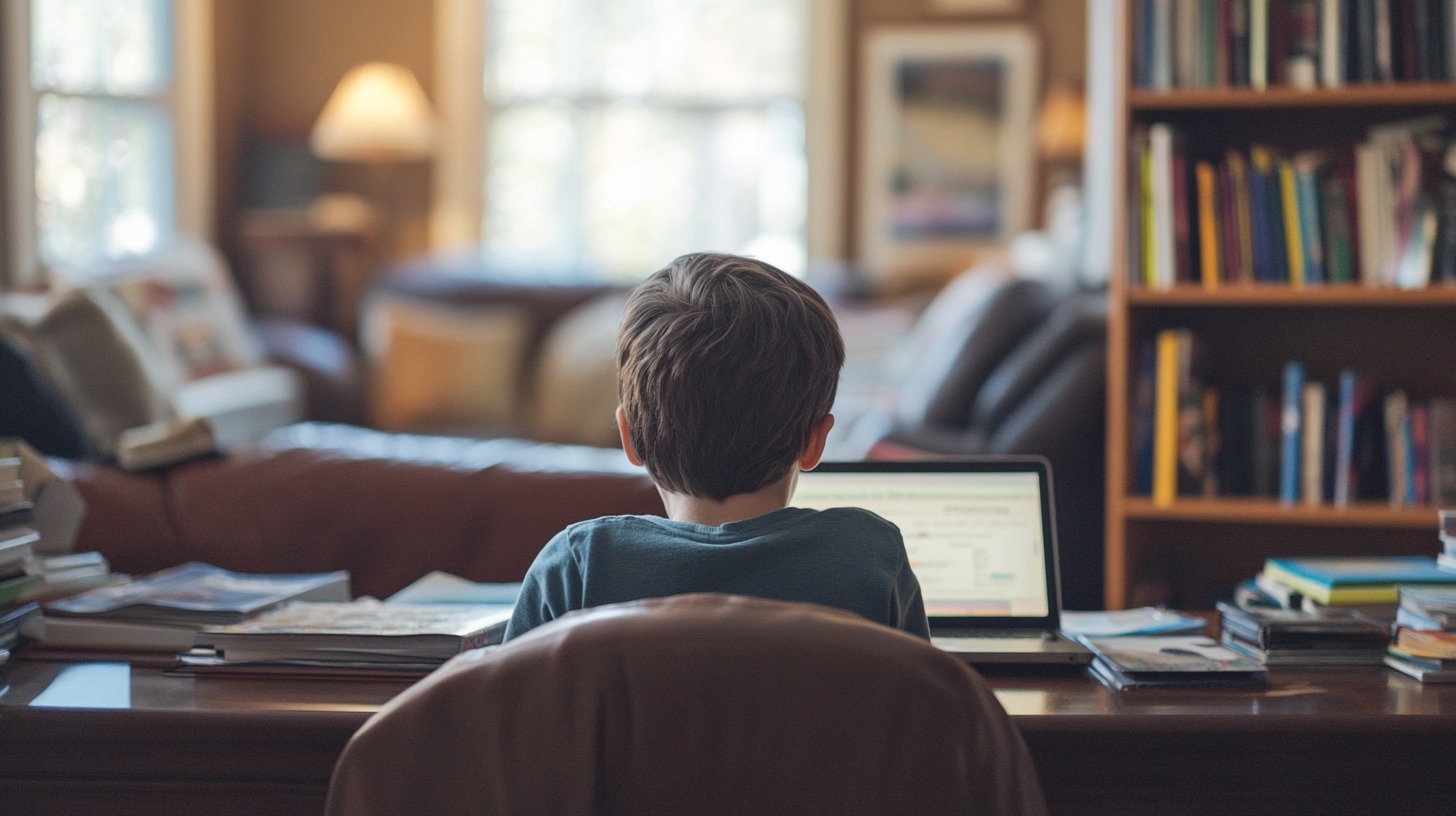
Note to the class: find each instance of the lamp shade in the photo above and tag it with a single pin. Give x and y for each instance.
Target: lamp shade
(1061, 127)
(378, 113)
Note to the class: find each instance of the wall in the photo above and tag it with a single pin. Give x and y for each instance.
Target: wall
(278, 60)
(277, 63)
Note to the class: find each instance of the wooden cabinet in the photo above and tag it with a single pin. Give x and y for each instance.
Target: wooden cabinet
(1193, 550)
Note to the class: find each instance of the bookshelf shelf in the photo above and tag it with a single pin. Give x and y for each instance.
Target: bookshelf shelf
(1191, 550)
(1439, 296)
(1272, 512)
(1383, 95)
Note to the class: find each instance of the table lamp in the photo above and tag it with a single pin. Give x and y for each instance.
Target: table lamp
(378, 116)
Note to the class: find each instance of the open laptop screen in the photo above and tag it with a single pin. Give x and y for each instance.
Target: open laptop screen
(977, 532)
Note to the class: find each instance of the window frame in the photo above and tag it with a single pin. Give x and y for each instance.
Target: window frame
(189, 100)
(459, 195)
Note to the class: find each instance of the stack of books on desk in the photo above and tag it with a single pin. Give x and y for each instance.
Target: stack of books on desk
(1285, 637)
(1424, 645)
(1148, 661)
(162, 612)
(1340, 586)
(365, 638)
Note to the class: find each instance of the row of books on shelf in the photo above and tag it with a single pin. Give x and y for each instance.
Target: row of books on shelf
(1381, 212)
(1304, 441)
(1296, 43)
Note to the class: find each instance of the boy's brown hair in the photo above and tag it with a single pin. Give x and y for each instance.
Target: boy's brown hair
(725, 365)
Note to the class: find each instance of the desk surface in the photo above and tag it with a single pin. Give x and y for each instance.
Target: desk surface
(109, 737)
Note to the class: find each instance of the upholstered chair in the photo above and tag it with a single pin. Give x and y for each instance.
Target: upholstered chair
(696, 704)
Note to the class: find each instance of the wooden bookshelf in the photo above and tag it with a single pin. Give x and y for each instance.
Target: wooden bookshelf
(1191, 551)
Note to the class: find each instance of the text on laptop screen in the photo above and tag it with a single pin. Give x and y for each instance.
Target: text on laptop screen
(974, 539)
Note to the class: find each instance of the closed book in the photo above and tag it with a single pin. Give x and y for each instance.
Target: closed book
(1171, 344)
(1164, 239)
(1335, 229)
(1144, 407)
(1355, 393)
(1421, 670)
(1312, 443)
(1289, 629)
(1210, 265)
(1291, 232)
(1372, 579)
(360, 631)
(1434, 644)
(1238, 42)
(1435, 602)
(1291, 432)
(1442, 412)
(1306, 191)
(118, 636)
(1398, 449)
(1170, 660)
(1301, 656)
(1332, 44)
(196, 594)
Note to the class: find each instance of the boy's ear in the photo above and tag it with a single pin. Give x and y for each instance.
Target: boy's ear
(626, 438)
(810, 458)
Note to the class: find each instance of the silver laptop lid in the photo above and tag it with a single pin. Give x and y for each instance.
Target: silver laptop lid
(979, 533)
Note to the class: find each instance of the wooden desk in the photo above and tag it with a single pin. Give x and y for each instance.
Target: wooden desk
(1365, 741)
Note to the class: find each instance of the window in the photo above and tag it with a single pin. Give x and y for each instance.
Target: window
(616, 134)
(101, 134)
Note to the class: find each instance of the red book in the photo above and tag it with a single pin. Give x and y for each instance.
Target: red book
(1233, 268)
(1182, 220)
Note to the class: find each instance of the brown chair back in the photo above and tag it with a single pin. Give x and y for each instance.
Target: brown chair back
(695, 704)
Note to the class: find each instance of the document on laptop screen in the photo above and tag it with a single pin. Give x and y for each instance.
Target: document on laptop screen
(975, 540)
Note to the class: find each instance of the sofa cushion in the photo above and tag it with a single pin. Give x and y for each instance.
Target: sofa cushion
(1077, 322)
(574, 390)
(444, 367)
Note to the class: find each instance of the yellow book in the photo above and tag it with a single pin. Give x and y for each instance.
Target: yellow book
(1208, 238)
(1165, 417)
(1293, 241)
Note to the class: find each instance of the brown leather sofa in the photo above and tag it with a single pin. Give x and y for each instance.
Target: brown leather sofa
(386, 507)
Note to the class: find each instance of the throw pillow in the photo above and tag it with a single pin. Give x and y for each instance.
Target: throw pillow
(183, 301)
(574, 394)
(438, 367)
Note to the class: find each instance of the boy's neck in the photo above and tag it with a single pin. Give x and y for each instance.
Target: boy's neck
(738, 507)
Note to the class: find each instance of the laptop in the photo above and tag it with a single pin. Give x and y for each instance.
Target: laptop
(981, 539)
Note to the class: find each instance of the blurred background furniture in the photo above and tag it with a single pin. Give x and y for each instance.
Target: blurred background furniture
(694, 704)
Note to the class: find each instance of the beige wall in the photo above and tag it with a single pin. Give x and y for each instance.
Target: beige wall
(278, 60)
(277, 63)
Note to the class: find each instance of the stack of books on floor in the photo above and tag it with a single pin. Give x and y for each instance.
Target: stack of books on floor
(1424, 645)
(1179, 661)
(359, 640)
(1287, 637)
(161, 613)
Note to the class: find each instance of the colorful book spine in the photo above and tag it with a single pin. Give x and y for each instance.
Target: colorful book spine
(1165, 417)
(1312, 443)
(1291, 432)
(1210, 265)
(1289, 205)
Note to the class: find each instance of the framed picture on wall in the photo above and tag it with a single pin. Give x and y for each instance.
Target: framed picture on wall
(947, 146)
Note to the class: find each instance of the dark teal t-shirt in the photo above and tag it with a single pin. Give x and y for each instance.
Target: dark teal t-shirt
(842, 557)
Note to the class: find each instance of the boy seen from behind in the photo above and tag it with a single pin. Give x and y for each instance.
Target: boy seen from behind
(727, 370)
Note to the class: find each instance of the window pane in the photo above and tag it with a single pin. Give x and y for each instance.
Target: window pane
(683, 49)
(103, 178)
(624, 188)
(625, 132)
(117, 47)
